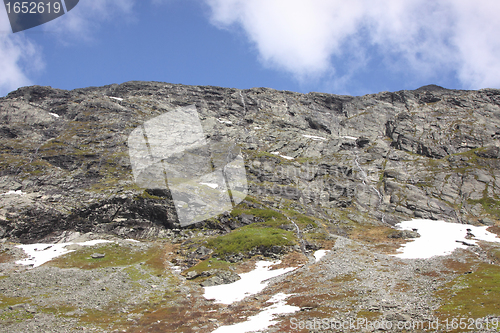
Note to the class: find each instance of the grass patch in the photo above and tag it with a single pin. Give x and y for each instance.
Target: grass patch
(368, 315)
(15, 316)
(62, 310)
(136, 274)
(146, 195)
(115, 255)
(474, 295)
(6, 301)
(490, 205)
(208, 264)
(264, 213)
(301, 219)
(271, 218)
(249, 237)
(315, 236)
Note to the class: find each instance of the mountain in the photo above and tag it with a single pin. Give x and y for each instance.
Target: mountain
(323, 172)
(382, 158)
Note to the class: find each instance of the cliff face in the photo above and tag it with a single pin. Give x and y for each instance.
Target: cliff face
(375, 159)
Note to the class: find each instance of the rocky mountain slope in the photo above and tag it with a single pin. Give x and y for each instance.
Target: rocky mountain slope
(323, 171)
(428, 153)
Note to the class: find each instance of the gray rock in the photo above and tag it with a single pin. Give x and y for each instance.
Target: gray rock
(489, 152)
(399, 317)
(414, 154)
(203, 251)
(487, 221)
(220, 277)
(404, 234)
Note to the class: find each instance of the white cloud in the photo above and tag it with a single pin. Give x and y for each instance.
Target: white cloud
(84, 20)
(18, 58)
(422, 37)
(478, 41)
(297, 36)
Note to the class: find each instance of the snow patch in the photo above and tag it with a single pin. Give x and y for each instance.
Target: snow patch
(320, 254)
(222, 121)
(250, 283)
(39, 254)
(257, 127)
(54, 114)
(132, 240)
(438, 238)
(264, 319)
(210, 185)
(18, 192)
(283, 156)
(349, 137)
(315, 138)
(116, 98)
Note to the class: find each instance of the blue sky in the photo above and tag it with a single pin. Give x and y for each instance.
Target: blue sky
(342, 47)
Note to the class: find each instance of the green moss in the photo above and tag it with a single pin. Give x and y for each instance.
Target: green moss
(249, 237)
(381, 176)
(368, 315)
(264, 213)
(271, 218)
(6, 301)
(146, 195)
(474, 295)
(314, 236)
(251, 199)
(301, 219)
(15, 316)
(306, 160)
(115, 255)
(473, 162)
(8, 316)
(358, 115)
(137, 274)
(208, 264)
(61, 310)
(12, 161)
(490, 205)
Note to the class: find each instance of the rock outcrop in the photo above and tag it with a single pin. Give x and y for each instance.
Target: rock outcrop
(381, 158)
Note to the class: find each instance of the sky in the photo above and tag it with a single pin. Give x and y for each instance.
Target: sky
(353, 47)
